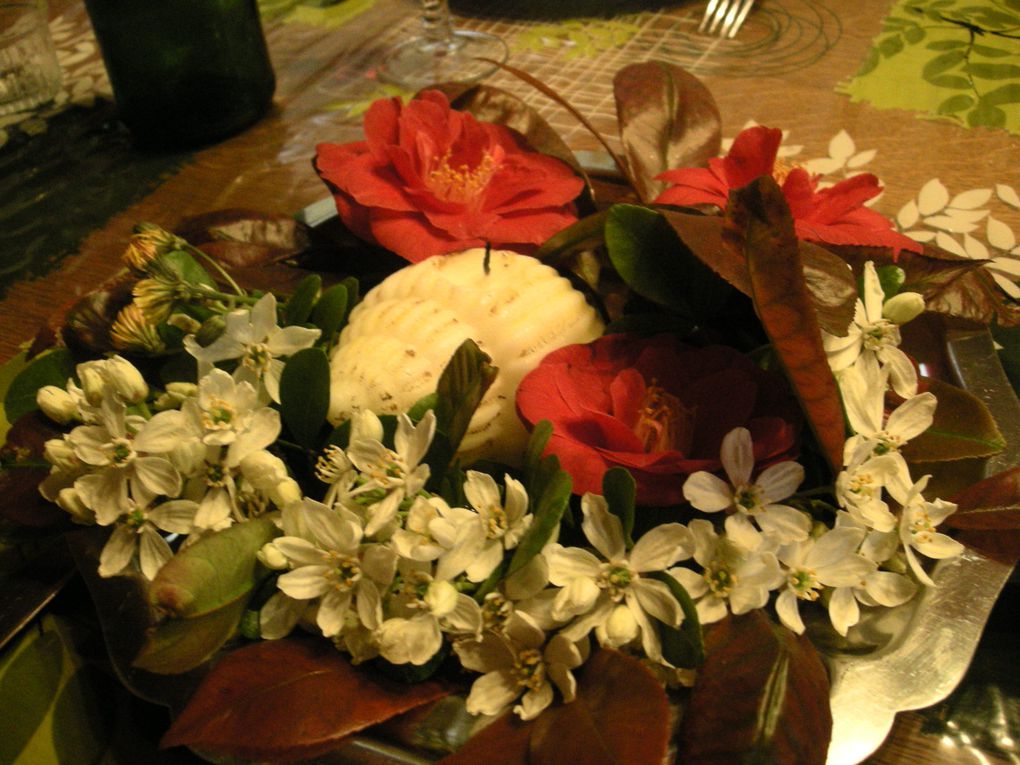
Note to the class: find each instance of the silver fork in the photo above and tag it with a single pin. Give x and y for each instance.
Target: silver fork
(724, 17)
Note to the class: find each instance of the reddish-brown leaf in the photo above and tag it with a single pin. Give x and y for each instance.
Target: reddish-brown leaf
(830, 283)
(502, 742)
(762, 696)
(19, 486)
(668, 119)
(277, 235)
(620, 717)
(290, 699)
(993, 503)
(963, 428)
(759, 219)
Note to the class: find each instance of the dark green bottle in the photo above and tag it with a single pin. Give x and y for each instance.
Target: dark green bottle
(184, 72)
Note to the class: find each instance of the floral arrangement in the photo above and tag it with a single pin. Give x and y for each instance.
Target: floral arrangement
(579, 458)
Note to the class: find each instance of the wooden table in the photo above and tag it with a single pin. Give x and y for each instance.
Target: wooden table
(781, 71)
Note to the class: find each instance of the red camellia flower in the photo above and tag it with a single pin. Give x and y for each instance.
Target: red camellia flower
(656, 407)
(429, 180)
(836, 215)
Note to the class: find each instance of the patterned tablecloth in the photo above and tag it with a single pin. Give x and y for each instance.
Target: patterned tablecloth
(72, 185)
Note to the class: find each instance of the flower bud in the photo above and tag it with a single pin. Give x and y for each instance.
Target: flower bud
(621, 627)
(57, 404)
(263, 470)
(176, 393)
(59, 453)
(211, 329)
(126, 380)
(366, 424)
(286, 493)
(93, 382)
(70, 501)
(271, 557)
(441, 598)
(148, 242)
(901, 308)
(184, 323)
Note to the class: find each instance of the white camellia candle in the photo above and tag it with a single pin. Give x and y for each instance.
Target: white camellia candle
(401, 336)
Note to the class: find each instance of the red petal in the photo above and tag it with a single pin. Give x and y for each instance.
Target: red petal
(627, 391)
(752, 155)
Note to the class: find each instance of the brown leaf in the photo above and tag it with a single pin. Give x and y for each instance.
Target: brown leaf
(762, 696)
(620, 717)
(830, 282)
(963, 428)
(951, 284)
(19, 486)
(668, 119)
(281, 235)
(993, 503)
(600, 727)
(290, 699)
(760, 220)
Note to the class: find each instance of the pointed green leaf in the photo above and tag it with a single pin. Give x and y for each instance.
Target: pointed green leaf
(682, 646)
(304, 395)
(52, 368)
(330, 312)
(619, 489)
(548, 496)
(460, 389)
(299, 306)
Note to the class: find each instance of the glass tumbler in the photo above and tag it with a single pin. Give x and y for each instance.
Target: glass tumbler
(29, 72)
(184, 72)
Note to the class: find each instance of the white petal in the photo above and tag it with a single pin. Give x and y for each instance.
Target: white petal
(533, 703)
(788, 611)
(737, 455)
(289, 340)
(414, 641)
(711, 609)
(779, 481)
(603, 529)
(707, 492)
(305, 583)
(117, 552)
(162, 433)
(655, 598)
(492, 693)
(177, 516)
(577, 597)
(661, 547)
(569, 563)
(913, 416)
(279, 616)
(939, 546)
(158, 475)
(153, 552)
(785, 523)
(889, 589)
(843, 609)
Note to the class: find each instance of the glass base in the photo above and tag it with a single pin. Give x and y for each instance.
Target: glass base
(421, 62)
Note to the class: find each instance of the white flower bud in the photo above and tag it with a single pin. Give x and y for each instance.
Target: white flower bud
(93, 381)
(901, 308)
(59, 453)
(286, 493)
(366, 424)
(441, 598)
(126, 380)
(271, 557)
(70, 501)
(263, 470)
(57, 404)
(621, 627)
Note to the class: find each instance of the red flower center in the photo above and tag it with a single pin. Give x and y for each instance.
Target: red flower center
(461, 184)
(664, 423)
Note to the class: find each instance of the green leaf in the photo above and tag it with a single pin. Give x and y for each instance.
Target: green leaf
(299, 305)
(1006, 94)
(330, 312)
(942, 63)
(987, 115)
(186, 268)
(683, 646)
(891, 278)
(204, 590)
(51, 368)
(890, 46)
(422, 405)
(994, 71)
(963, 428)
(946, 44)
(990, 52)
(304, 395)
(654, 261)
(585, 234)
(548, 498)
(619, 489)
(952, 81)
(537, 442)
(914, 34)
(955, 104)
(460, 389)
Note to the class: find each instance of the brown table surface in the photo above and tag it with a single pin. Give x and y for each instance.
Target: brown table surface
(325, 72)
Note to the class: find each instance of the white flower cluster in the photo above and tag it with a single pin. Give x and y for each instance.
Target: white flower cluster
(198, 466)
(865, 555)
(384, 568)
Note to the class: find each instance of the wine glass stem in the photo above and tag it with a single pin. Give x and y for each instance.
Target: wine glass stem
(435, 21)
